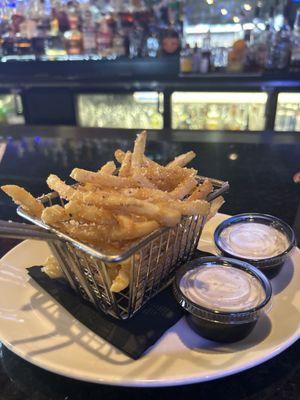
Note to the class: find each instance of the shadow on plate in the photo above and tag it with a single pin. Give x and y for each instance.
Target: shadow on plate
(259, 334)
(282, 280)
(64, 332)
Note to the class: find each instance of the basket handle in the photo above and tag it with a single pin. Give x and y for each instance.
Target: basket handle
(17, 230)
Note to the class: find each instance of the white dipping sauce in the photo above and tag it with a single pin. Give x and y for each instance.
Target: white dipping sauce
(222, 288)
(253, 240)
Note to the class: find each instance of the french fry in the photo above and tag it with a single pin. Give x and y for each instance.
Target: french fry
(54, 214)
(147, 194)
(85, 233)
(125, 165)
(121, 281)
(202, 191)
(165, 216)
(129, 230)
(138, 151)
(109, 168)
(120, 154)
(101, 233)
(51, 268)
(25, 199)
(215, 206)
(87, 213)
(142, 180)
(182, 160)
(102, 180)
(55, 183)
(184, 188)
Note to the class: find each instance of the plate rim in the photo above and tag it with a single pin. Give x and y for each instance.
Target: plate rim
(131, 382)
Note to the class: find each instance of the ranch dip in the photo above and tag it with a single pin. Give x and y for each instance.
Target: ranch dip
(253, 240)
(222, 288)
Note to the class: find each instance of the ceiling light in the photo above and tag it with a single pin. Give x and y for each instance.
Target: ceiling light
(247, 7)
(210, 2)
(233, 156)
(236, 19)
(224, 11)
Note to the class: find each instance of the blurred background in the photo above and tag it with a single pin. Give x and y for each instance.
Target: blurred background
(211, 65)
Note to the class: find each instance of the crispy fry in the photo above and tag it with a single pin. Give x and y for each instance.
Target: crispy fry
(163, 215)
(142, 180)
(167, 179)
(108, 168)
(215, 206)
(147, 194)
(55, 183)
(125, 165)
(54, 214)
(182, 160)
(184, 188)
(85, 233)
(120, 154)
(195, 207)
(187, 207)
(52, 269)
(102, 180)
(129, 229)
(121, 281)
(87, 213)
(23, 198)
(138, 151)
(202, 191)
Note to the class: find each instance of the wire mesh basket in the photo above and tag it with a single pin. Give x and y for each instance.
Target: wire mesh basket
(153, 260)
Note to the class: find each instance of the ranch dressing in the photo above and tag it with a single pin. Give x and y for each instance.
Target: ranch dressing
(222, 288)
(253, 240)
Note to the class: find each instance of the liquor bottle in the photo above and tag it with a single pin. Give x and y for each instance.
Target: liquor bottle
(88, 33)
(186, 60)
(151, 47)
(119, 48)
(254, 57)
(8, 42)
(281, 48)
(205, 64)
(281, 44)
(104, 38)
(73, 37)
(55, 46)
(266, 43)
(136, 36)
(196, 59)
(23, 42)
(295, 57)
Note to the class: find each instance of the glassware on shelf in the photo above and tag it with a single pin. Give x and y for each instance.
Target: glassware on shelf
(11, 111)
(295, 56)
(138, 110)
(218, 111)
(288, 112)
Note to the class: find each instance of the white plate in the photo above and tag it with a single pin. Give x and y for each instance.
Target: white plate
(38, 329)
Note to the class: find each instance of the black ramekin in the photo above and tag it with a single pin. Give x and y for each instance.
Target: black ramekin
(222, 326)
(269, 266)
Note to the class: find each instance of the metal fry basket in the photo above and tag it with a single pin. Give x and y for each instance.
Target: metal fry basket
(152, 261)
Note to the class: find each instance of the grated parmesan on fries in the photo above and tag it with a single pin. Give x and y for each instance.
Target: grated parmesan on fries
(111, 208)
